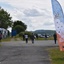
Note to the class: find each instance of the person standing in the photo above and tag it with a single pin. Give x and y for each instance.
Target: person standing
(55, 37)
(37, 36)
(0, 36)
(26, 38)
(32, 38)
(45, 37)
(23, 37)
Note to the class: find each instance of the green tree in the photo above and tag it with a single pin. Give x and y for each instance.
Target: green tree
(19, 25)
(5, 19)
(18, 28)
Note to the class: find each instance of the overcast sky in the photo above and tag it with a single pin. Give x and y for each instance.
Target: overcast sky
(36, 14)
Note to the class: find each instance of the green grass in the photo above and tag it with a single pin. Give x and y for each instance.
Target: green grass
(6, 39)
(50, 38)
(15, 38)
(57, 56)
(21, 38)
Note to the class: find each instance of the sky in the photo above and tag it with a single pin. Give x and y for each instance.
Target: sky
(36, 14)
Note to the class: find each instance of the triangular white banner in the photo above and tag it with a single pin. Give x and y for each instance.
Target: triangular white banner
(59, 22)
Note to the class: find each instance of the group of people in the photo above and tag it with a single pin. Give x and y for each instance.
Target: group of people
(54, 35)
(32, 37)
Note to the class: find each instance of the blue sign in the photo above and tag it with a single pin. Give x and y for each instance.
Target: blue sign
(14, 32)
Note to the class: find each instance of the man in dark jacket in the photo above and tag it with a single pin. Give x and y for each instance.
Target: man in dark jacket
(55, 37)
(0, 36)
(32, 38)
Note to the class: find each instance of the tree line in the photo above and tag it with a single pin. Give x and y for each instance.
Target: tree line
(6, 22)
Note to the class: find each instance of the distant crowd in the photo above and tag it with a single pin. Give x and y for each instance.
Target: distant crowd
(33, 37)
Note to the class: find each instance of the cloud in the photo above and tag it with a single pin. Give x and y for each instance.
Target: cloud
(32, 12)
(48, 24)
(36, 14)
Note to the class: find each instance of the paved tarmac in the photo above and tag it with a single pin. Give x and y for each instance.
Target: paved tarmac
(18, 52)
(36, 43)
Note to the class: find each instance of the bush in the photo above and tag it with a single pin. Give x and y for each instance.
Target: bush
(18, 28)
(26, 32)
(21, 34)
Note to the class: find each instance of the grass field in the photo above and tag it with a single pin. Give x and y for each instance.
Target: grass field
(6, 39)
(57, 56)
